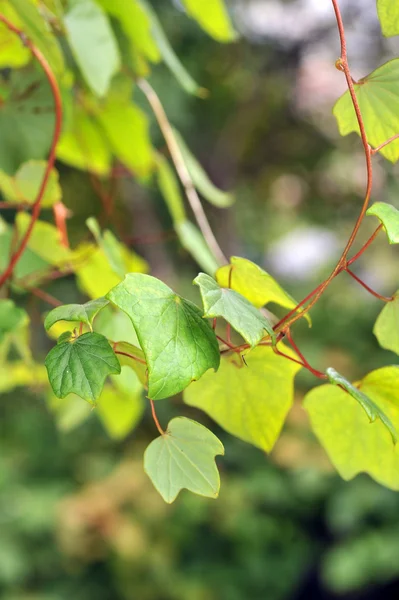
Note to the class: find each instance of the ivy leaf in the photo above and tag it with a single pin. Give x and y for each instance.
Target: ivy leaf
(378, 98)
(214, 20)
(178, 344)
(200, 179)
(24, 186)
(93, 44)
(194, 242)
(386, 328)
(83, 313)
(81, 366)
(389, 217)
(370, 408)
(353, 444)
(250, 402)
(255, 284)
(388, 14)
(183, 458)
(234, 308)
(11, 317)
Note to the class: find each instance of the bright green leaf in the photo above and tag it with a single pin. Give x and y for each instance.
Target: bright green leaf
(200, 179)
(213, 18)
(234, 308)
(254, 283)
(44, 240)
(21, 374)
(111, 247)
(24, 186)
(386, 328)
(93, 44)
(378, 98)
(388, 13)
(84, 313)
(193, 241)
(250, 402)
(81, 366)
(353, 444)
(170, 58)
(13, 53)
(370, 408)
(178, 344)
(389, 217)
(11, 317)
(184, 458)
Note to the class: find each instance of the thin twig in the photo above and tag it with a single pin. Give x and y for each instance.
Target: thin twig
(368, 288)
(154, 416)
(182, 171)
(381, 146)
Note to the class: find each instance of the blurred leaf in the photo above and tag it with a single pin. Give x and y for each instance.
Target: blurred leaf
(19, 373)
(353, 444)
(184, 458)
(29, 262)
(179, 346)
(200, 179)
(24, 186)
(254, 283)
(388, 14)
(44, 240)
(69, 412)
(370, 408)
(234, 308)
(386, 327)
(26, 119)
(111, 247)
(93, 44)
(13, 53)
(378, 98)
(37, 30)
(170, 190)
(193, 241)
(11, 317)
(84, 313)
(169, 56)
(81, 366)
(213, 18)
(389, 217)
(124, 352)
(250, 402)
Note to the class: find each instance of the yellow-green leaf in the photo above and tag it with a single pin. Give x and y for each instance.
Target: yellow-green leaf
(212, 17)
(170, 190)
(389, 217)
(24, 186)
(194, 242)
(386, 328)
(388, 13)
(13, 53)
(44, 240)
(250, 402)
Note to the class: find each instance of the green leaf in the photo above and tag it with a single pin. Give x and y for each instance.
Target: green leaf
(21, 374)
(11, 317)
(170, 190)
(184, 458)
(13, 53)
(29, 263)
(214, 19)
(201, 180)
(24, 186)
(378, 98)
(254, 284)
(178, 344)
(26, 119)
(110, 246)
(389, 217)
(93, 44)
(250, 402)
(37, 30)
(81, 366)
(44, 240)
(127, 130)
(120, 408)
(353, 444)
(386, 328)
(370, 408)
(84, 313)
(70, 412)
(170, 58)
(388, 13)
(193, 241)
(127, 353)
(234, 308)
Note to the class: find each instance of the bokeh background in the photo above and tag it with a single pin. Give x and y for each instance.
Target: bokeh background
(78, 517)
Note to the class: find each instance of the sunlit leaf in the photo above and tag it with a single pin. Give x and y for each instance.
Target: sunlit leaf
(213, 18)
(178, 344)
(81, 366)
(184, 458)
(11, 317)
(370, 408)
(389, 217)
(193, 241)
(44, 240)
(378, 98)
(388, 13)
(254, 283)
(93, 44)
(250, 402)
(83, 313)
(24, 186)
(234, 308)
(13, 53)
(353, 444)
(21, 374)
(201, 180)
(386, 328)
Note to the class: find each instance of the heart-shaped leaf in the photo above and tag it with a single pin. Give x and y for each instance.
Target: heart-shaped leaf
(84, 313)
(389, 217)
(386, 328)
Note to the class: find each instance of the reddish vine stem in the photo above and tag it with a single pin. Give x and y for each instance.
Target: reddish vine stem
(306, 364)
(45, 296)
(154, 416)
(366, 287)
(51, 159)
(136, 358)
